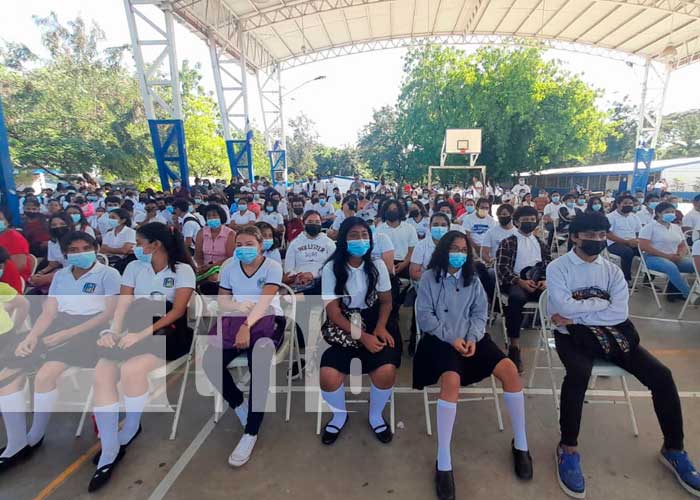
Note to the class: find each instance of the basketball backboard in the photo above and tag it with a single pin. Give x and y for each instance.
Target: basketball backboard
(462, 141)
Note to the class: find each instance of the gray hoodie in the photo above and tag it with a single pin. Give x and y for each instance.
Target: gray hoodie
(449, 310)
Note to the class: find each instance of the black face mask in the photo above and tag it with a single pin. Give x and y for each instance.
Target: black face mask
(58, 232)
(504, 221)
(314, 200)
(593, 247)
(414, 213)
(298, 211)
(528, 227)
(312, 229)
(352, 206)
(392, 216)
(626, 209)
(31, 215)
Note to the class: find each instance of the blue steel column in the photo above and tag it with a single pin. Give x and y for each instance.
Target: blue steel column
(7, 178)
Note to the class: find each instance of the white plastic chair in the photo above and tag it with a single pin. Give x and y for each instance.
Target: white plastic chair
(650, 274)
(601, 368)
(695, 287)
(503, 302)
(287, 349)
(427, 402)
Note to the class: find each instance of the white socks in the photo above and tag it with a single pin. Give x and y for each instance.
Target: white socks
(133, 408)
(44, 403)
(378, 398)
(14, 408)
(336, 400)
(446, 413)
(515, 403)
(241, 412)
(107, 419)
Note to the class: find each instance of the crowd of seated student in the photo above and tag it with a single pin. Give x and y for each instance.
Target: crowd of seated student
(240, 242)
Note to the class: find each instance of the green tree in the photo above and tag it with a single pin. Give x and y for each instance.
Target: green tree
(533, 114)
(338, 161)
(302, 141)
(380, 147)
(680, 135)
(622, 134)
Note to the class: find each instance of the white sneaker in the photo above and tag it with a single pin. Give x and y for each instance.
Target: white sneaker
(244, 449)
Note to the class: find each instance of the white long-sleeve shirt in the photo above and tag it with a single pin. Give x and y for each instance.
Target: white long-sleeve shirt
(569, 274)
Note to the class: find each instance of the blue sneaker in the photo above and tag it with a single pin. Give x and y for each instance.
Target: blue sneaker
(569, 473)
(683, 469)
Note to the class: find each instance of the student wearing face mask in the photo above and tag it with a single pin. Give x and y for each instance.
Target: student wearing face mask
(270, 243)
(402, 235)
(646, 214)
(417, 217)
(252, 326)
(452, 311)
(595, 204)
(587, 291)
(496, 234)
(213, 245)
(665, 251)
(306, 255)
(103, 224)
(59, 227)
(119, 241)
(469, 209)
(80, 303)
(420, 258)
(477, 223)
(355, 284)
(137, 342)
(521, 260)
(35, 227)
(271, 216)
(150, 214)
(242, 216)
(691, 220)
(14, 243)
(622, 237)
(348, 209)
(78, 220)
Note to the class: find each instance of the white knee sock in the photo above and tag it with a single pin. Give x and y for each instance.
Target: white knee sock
(44, 403)
(336, 400)
(515, 403)
(107, 419)
(446, 413)
(133, 408)
(378, 398)
(14, 408)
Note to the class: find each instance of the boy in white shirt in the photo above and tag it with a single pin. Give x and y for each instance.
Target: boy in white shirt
(622, 237)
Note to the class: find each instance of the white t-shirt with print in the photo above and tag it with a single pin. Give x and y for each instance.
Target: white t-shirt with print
(84, 296)
(356, 286)
(147, 283)
(307, 255)
(477, 227)
(249, 288)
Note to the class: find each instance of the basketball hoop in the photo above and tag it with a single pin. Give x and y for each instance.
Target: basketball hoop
(463, 151)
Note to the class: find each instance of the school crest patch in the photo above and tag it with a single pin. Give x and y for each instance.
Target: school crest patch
(89, 288)
(168, 282)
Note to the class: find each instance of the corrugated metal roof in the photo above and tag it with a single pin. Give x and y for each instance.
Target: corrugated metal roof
(619, 168)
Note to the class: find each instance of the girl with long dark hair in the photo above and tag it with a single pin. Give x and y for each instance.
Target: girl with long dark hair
(357, 294)
(162, 269)
(456, 351)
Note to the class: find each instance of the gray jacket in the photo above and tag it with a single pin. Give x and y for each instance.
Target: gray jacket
(449, 310)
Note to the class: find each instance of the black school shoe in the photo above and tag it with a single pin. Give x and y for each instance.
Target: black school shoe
(444, 484)
(23, 454)
(522, 461)
(96, 458)
(104, 474)
(328, 438)
(383, 433)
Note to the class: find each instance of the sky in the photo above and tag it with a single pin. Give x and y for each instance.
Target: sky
(342, 103)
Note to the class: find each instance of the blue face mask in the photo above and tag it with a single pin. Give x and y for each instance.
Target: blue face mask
(668, 217)
(457, 259)
(555, 199)
(581, 202)
(246, 254)
(267, 243)
(652, 204)
(75, 218)
(234, 207)
(141, 256)
(470, 209)
(637, 208)
(111, 209)
(408, 204)
(3, 225)
(170, 209)
(214, 223)
(438, 232)
(322, 201)
(242, 208)
(112, 223)
(269, 209)
(358, 248)
(596, 207)
(82, 260)
(570, 204)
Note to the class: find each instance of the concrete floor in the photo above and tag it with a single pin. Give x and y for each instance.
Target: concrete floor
(290, 462)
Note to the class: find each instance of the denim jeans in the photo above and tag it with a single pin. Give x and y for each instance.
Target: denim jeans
(673, 270)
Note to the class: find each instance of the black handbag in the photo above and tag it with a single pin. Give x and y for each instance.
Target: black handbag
(335, 335)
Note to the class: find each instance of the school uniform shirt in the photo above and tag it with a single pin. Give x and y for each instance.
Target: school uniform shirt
(477, 227)
(339, 218)
(692, 220)
(190, 227)
(282, 209)
(529, 252)
(645, 216)
(102, 223)
(403, 237)
(86, 229)
(552, 210)
(54, 253)
(422, 228)
(275, 219)
(382, 244)
(86, 295)
(113, 240)
(423, 252)
(147, 283)
(307, 255)
(449, 310)
(273, 254)
(494, 236)
(243, 287)
(623, 226)
(141, 216)
(325, 210)
(695, 251)
(662, 238)
(369, 213)
(356, 286)
(7, 294)
(243, 218)
(572, 284)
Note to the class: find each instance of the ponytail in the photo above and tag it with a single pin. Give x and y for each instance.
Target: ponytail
(172, 241)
